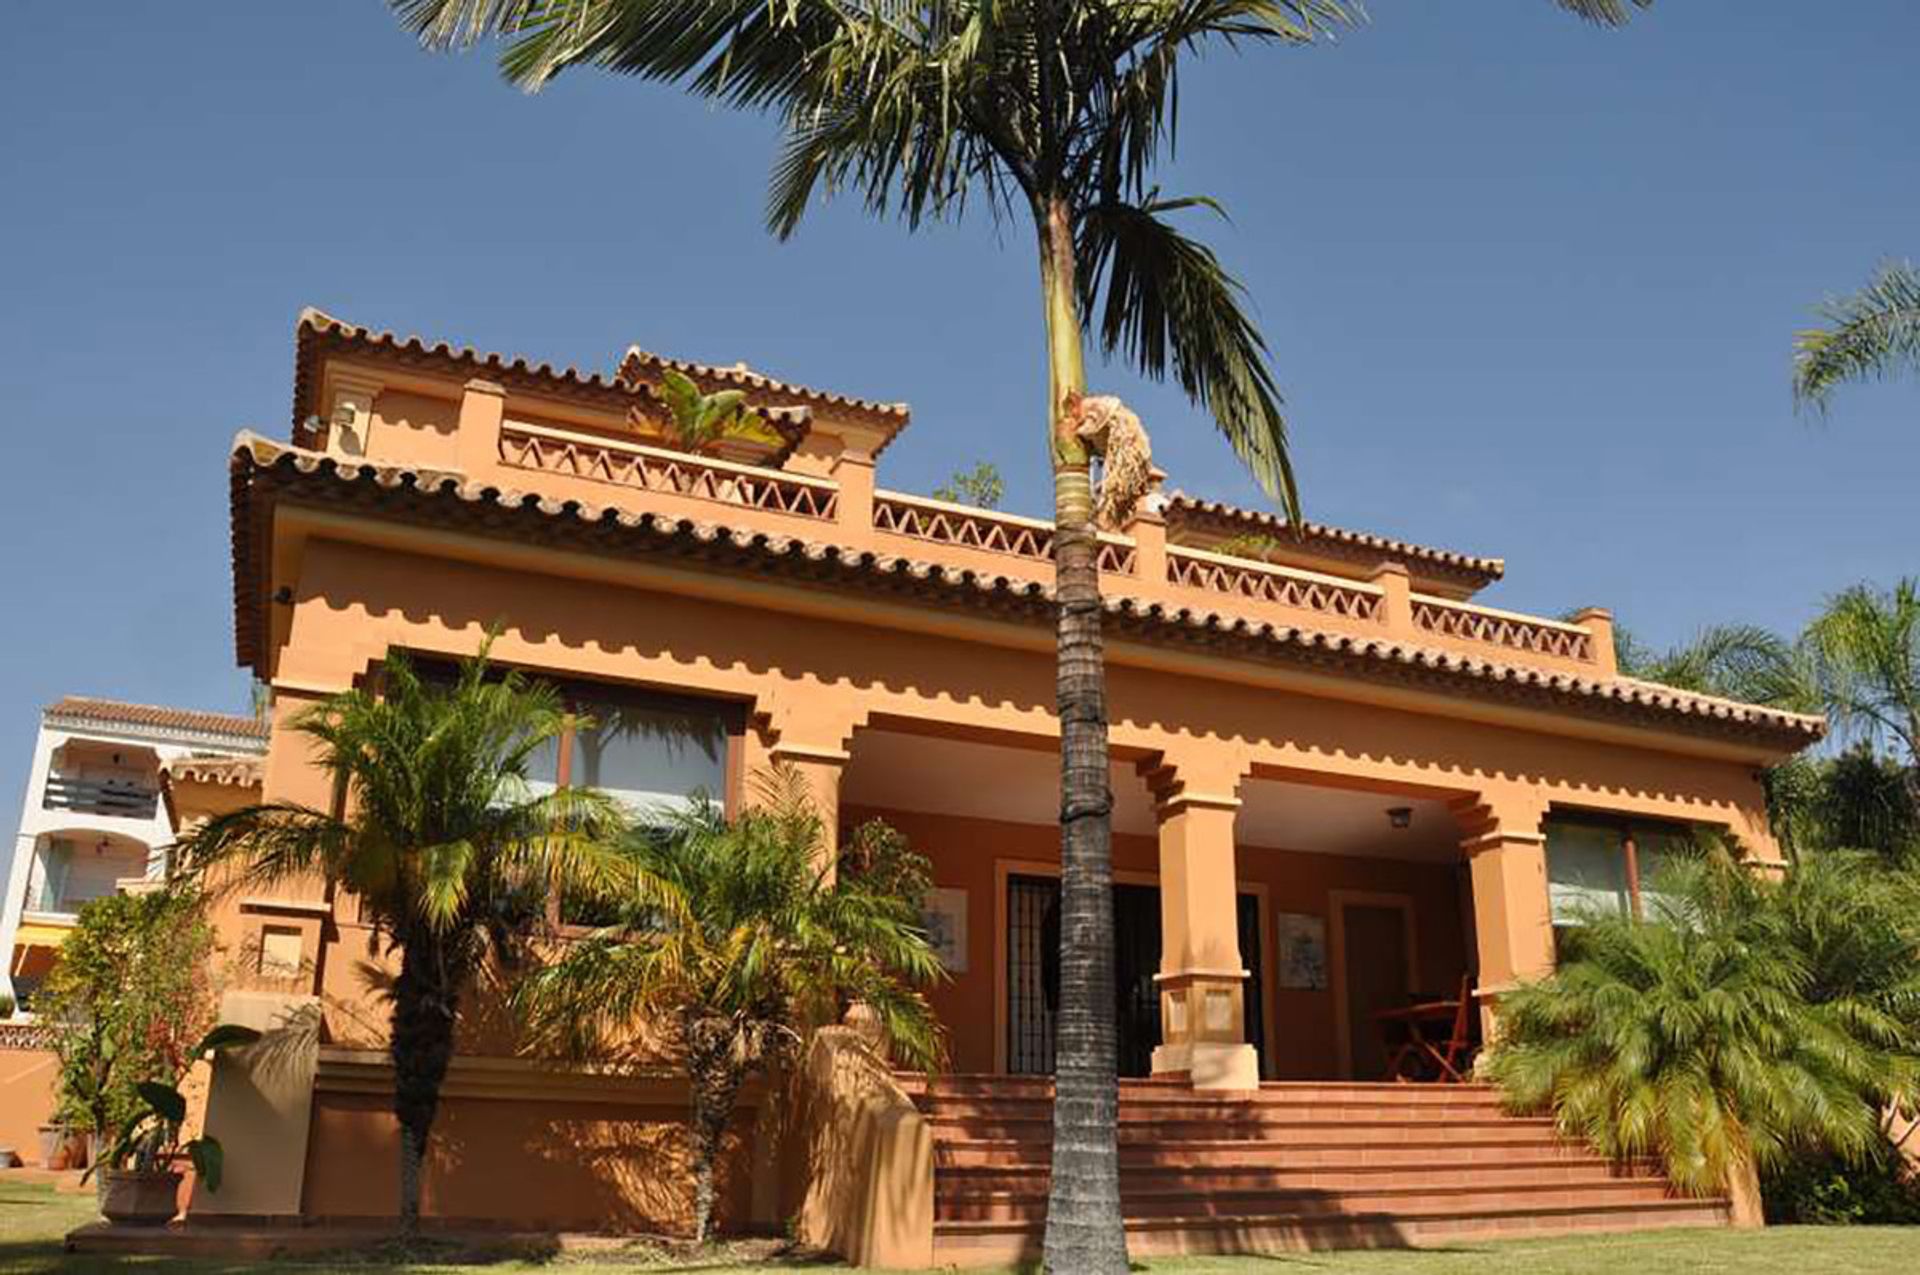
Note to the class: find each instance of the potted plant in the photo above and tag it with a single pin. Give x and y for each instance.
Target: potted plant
(139, 1185)
(56, 1145)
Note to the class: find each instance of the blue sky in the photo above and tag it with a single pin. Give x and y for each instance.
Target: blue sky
(1531, 289)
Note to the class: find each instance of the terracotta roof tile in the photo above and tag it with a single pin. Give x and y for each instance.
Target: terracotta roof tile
(1313, 535)
(316, 329)
(437, 498)
(87, 708)
(227, 772)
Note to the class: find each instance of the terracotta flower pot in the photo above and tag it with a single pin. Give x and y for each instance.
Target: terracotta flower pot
(53, 1146)
(138, 1197)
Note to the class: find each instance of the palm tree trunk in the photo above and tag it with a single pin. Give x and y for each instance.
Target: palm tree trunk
(1085, 1232)
(1912, 775)
(421, 1047)
(714, 1079)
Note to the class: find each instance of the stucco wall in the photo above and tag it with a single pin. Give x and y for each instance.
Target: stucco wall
(26, 1098)
(826, 662)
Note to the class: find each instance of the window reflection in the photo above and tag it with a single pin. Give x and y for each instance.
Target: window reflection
(651, 758)
(1601, 867)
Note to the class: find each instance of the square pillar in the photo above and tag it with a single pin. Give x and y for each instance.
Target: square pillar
(808, 728)
(1512, 909)
(1512, 913)
(1202, 980)
(483, 406)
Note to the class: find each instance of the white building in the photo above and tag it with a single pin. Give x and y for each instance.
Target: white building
(93, 818)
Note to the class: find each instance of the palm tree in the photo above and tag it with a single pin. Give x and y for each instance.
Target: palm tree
(1745, 1022)
(437, 834)
(1870, 334)
(1058, 112)
(728, 943)
(1866, 653)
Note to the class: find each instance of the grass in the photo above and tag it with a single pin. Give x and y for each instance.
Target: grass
(33, 1220)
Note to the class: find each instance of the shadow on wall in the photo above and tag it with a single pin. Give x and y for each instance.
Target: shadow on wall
(522, 1163)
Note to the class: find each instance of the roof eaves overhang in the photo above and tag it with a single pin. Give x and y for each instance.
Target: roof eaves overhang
(265, 473)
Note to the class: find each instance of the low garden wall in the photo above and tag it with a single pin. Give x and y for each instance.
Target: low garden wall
(521, 1147)
(28, 1069)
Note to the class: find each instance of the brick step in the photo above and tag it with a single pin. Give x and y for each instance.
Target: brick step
(960, 1181)
(1186, 1107)
(1176, 1201)
(1002, 1243)
(1433, 1154)
(1355, 1131)
(1040, 1089)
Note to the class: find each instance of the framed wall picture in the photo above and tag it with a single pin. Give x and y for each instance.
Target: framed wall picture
(1302, 943)
(945, 920)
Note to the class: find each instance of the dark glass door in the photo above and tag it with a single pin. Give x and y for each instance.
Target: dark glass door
(1136, 959)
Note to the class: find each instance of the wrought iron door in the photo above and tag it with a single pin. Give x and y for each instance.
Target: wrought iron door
(1033, 973)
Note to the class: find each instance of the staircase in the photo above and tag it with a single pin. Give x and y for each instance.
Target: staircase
(1290, 1166)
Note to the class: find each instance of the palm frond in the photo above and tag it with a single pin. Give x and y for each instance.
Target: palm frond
(1866, 649)
(1164, 302)
(1870, 334)
(1736, 661)
(1605, 13)
(737, 919)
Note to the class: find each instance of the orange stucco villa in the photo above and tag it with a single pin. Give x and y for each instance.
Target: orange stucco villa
(1342, 785)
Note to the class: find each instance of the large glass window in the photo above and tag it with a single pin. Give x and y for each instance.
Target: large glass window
(652, 756)
(652, 751)
(1602, 866)
(1586, 872)
(52, 863)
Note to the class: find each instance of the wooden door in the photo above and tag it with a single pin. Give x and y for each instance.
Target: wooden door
(1376, 949)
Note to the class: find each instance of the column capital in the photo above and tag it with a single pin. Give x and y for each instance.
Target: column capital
(781, 751)
(1196, 779)
(1500, 816)
(808, 722)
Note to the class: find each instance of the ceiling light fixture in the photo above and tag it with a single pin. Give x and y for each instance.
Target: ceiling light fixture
(1400, 816)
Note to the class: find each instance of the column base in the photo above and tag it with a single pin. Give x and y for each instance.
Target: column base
(1209, 1064)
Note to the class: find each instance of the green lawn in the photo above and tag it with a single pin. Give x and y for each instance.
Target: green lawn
(34, 1218)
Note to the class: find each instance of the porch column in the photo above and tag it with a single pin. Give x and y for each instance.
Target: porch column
(810, 730)
(1202, 980)
(1512, 912)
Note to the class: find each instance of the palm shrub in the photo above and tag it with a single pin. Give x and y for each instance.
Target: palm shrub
(697, 422)
(729, 943)
(437, 833)
(1745, 1024)
(131, 993)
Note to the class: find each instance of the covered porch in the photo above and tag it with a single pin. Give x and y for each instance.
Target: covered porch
(1270, 926)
